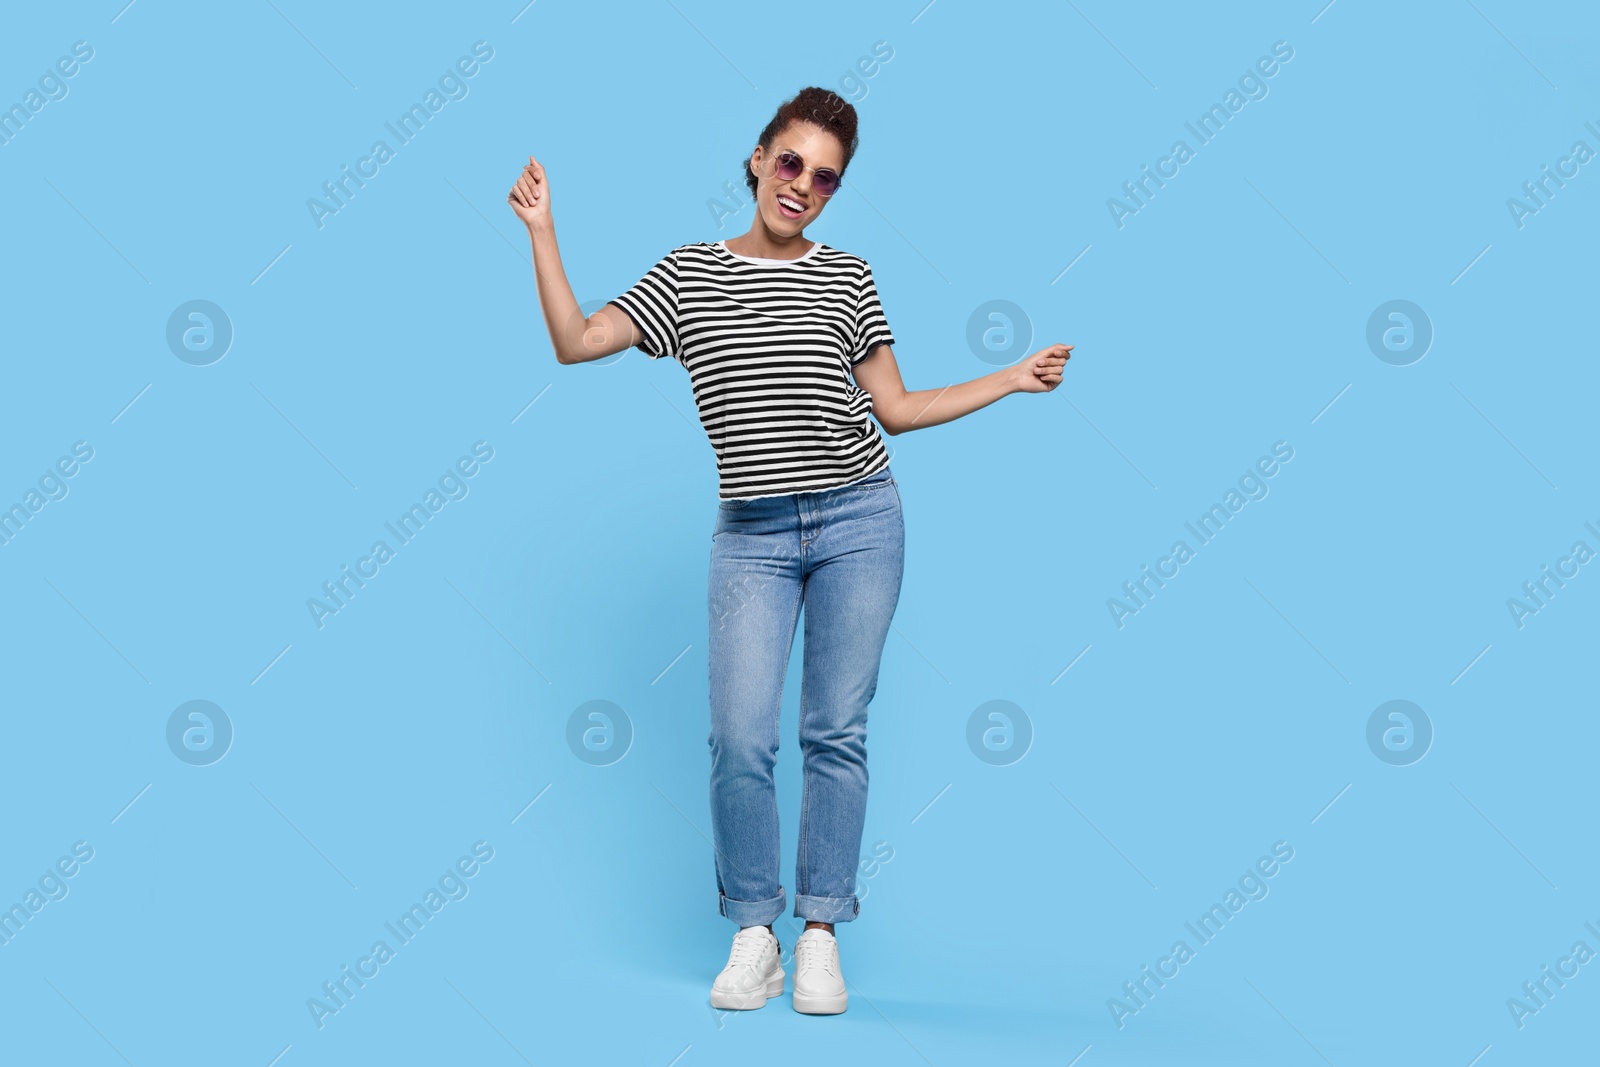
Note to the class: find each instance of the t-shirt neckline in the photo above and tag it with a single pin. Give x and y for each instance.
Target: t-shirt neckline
(809, 253)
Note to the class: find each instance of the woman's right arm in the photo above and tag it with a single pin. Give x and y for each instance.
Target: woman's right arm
(576, 339)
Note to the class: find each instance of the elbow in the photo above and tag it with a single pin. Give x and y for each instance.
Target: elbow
(890, 419)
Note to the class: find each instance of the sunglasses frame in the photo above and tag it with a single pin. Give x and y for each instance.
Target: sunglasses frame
(772, 170)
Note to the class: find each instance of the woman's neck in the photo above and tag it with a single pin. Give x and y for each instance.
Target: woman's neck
(761, 243)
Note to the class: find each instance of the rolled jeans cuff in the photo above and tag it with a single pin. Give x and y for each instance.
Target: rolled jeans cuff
(827, 909)
(751, 912)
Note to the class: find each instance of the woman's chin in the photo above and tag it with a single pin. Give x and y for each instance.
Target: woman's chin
(781, 226)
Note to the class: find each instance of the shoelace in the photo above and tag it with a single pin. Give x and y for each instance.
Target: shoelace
(814, 952)
(747, 950)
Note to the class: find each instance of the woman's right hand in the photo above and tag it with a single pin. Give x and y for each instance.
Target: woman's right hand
(530, 197)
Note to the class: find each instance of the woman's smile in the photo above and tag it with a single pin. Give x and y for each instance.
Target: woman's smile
(790, 207)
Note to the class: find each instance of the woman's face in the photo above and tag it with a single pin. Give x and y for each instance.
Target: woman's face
(775, 198)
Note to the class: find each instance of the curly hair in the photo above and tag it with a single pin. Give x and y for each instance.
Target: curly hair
(821, 107)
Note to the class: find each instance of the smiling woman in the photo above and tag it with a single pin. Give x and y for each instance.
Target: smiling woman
(788, 351)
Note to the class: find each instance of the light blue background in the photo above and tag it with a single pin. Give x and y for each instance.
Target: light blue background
(371, 352)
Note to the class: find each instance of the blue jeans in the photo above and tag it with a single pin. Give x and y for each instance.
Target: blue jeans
(840, 552)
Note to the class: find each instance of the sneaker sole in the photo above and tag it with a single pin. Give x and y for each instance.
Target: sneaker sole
(748, 1001)
(820, 1005)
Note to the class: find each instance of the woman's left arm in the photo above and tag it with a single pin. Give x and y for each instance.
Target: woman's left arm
(898, 410)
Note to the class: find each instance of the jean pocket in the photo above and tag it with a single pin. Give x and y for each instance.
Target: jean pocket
(734, 504)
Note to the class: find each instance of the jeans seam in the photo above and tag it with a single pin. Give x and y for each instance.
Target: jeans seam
(802, 883)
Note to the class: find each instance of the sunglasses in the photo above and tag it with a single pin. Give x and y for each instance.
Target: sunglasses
(787, 165)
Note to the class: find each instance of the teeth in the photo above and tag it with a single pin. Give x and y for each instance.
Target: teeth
(790, 204)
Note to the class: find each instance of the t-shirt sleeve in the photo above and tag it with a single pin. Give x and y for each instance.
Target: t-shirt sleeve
(652, 303)
(872, 329)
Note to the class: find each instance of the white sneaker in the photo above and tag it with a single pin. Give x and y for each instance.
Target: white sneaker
(818, 981)
(753, 974)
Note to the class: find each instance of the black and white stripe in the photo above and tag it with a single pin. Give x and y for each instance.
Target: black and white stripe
(769, 346)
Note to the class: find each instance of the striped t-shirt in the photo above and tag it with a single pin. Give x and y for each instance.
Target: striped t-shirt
(768, 345)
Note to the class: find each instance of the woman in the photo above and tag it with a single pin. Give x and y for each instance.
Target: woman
(771, 326)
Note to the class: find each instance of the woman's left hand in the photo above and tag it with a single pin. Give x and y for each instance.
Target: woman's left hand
(1041, 372)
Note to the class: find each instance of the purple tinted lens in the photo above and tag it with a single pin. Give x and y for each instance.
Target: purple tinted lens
(825, 182)
(789, 166)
